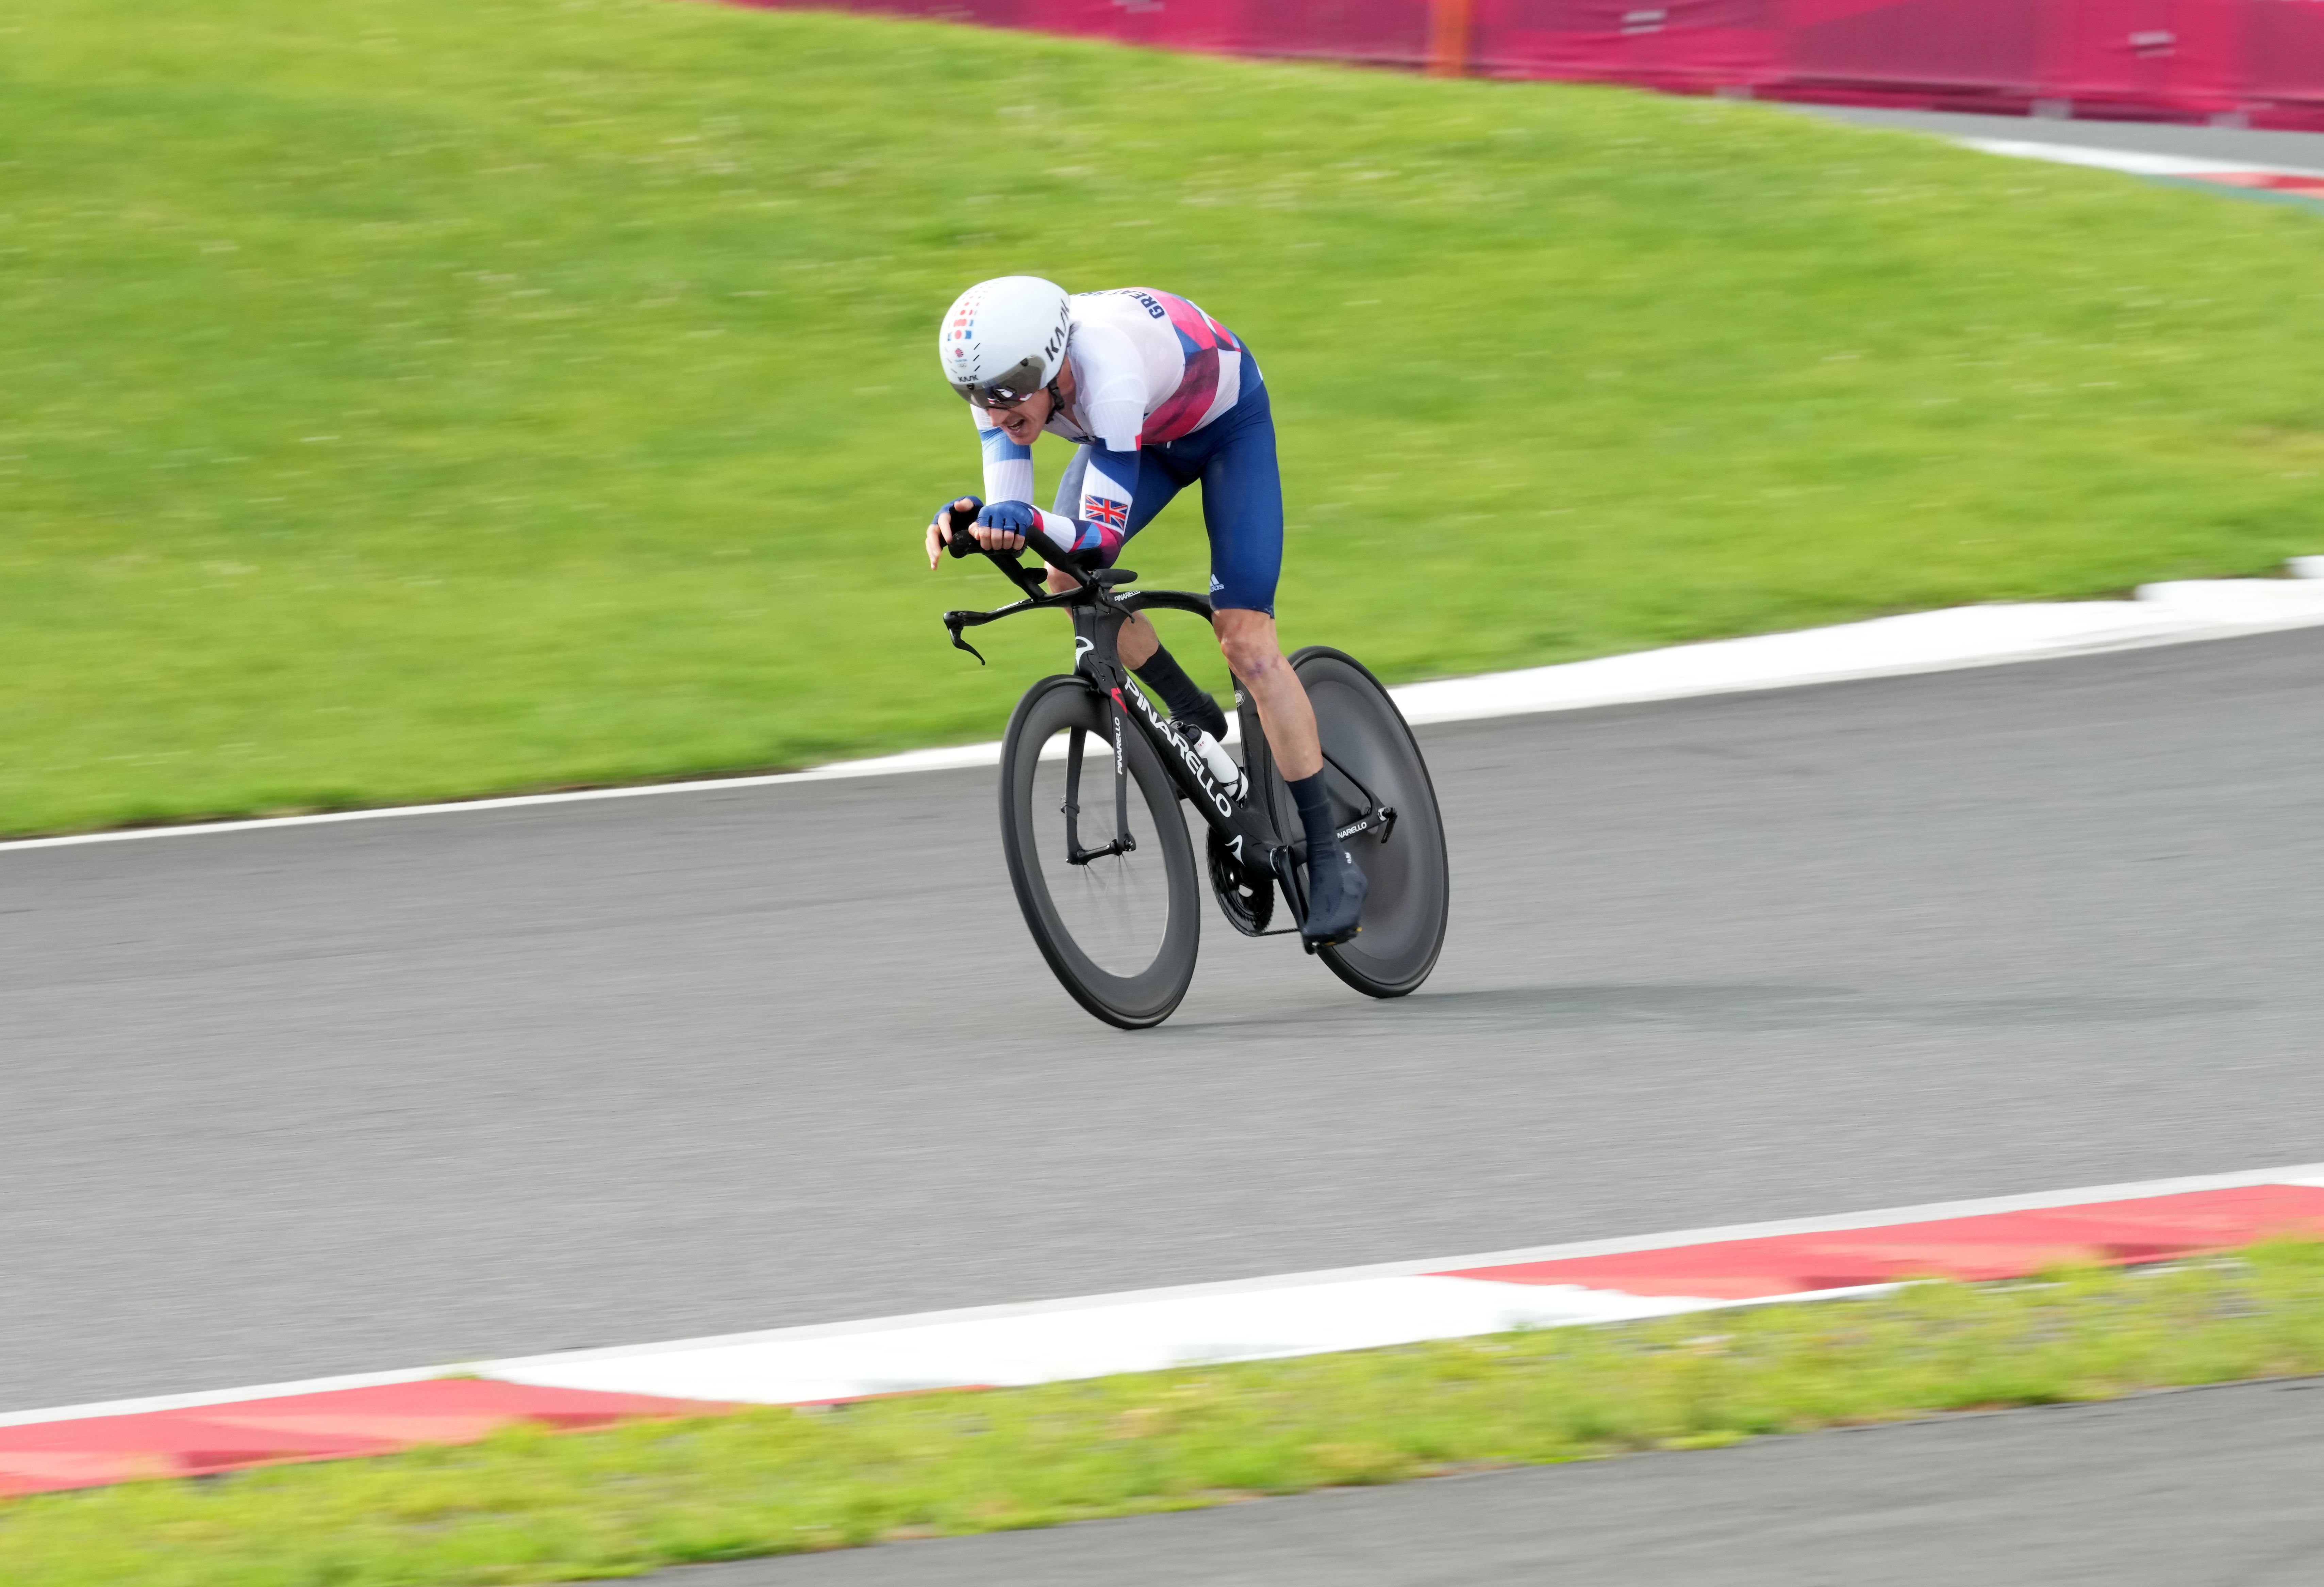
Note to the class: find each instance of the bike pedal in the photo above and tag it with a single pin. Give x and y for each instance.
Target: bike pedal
(1312, 942)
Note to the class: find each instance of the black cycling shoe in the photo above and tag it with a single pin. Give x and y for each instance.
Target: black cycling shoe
(1336, 886)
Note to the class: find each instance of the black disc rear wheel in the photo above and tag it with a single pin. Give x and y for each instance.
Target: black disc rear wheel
(1121, 930)
(1372, 761)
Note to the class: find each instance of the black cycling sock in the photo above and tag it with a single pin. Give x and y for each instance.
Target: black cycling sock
(1188, 700)
(1315, 814)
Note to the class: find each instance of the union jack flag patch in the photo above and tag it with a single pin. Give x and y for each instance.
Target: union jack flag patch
(1111, 513)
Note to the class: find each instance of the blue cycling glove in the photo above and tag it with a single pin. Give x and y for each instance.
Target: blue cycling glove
(955, 522)
(1015, 517)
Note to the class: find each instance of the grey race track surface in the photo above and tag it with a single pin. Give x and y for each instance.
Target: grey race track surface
(2201, 142)
(342, 1098)
(2211, 1489)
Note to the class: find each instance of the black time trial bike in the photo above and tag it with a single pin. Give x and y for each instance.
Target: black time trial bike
(1092, 777)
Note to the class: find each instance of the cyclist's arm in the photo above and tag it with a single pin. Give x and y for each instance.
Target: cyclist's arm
(1099, 505)
(1096, 495)
(1009, 477)
(1092, 509)
(1008, 467)
(1069, 483)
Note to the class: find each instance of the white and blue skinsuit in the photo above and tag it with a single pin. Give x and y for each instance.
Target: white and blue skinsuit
(1163, 395)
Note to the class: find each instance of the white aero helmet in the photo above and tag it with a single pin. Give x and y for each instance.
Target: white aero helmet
(1004, 339)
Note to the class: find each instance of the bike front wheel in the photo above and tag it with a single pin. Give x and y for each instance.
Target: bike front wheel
(1118, 921)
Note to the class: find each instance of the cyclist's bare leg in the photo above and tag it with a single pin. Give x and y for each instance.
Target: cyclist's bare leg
(1249, 642)
(1252, 651)
(1336, 885)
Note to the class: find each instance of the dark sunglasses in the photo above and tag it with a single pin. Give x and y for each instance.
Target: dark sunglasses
(1013, 386)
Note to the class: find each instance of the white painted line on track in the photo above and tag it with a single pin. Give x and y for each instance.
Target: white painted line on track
(920, 761)
(1954, 638)
(1341, 1308)
(2133, 162)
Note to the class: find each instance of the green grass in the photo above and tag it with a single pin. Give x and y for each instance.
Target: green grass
(532, 1506)
(412, 400)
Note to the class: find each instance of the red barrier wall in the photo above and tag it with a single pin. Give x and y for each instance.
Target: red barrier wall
(1958, 50)
(2284, 60)
(2163, 60)
(1690, 45)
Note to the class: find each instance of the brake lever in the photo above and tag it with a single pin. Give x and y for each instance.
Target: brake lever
(953, 623)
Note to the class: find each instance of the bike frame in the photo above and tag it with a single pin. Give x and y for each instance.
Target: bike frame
(1097, 613)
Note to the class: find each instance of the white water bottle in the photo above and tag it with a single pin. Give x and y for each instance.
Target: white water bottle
(1222, 764)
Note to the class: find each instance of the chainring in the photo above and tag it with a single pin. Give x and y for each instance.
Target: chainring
(1248, 903)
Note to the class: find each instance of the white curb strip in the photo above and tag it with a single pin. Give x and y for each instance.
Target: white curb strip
(1302, 1314)
(1089, 1336)
(1096, 1340)
(1883, 647)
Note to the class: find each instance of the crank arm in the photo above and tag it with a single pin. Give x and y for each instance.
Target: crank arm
(1284, 863)
(1382, 820)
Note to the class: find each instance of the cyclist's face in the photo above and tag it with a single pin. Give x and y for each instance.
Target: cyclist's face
(1023, 422)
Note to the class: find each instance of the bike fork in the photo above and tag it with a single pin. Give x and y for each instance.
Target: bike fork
(1093, 637)
(1123, 843)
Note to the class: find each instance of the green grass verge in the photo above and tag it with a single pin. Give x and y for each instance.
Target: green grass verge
(426, 398)
(533, 1507)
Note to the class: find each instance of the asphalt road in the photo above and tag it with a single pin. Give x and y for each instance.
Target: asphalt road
(2215, 1488)
(342, 1098)
(2204, 143)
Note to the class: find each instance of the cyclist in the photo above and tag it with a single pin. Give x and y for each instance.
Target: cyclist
(1154, 395)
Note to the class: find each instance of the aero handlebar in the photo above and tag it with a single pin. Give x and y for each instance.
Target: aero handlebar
(1089, 583)
(962, 543)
